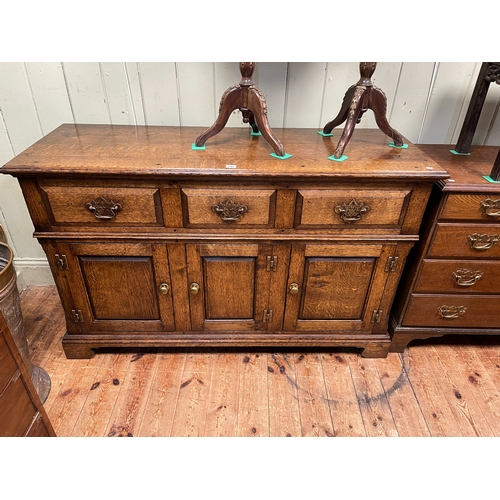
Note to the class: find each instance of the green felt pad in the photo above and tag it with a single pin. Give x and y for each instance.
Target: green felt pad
(195, 147)
(320, 132)
(404, 146)
(489, 179)
(457, 153)
(255, 133)
(284, 157)
(342, 158)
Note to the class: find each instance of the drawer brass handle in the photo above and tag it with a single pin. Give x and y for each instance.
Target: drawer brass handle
(482, 241)
(103, 209)
(451, 312)
(490, 207)
(164, 288)
(352, 211)
(293, 288)
(229, 210)
(466, 277)
(194, 288)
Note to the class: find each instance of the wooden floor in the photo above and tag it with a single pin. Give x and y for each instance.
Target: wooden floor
(434, 389)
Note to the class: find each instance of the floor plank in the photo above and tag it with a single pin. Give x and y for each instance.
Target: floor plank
(373, 403)
(343, 403)
(462, 399)
(191, 410)
(315, 416)
(222, 409)
(253, 396)
(161, 403)
(425, 376)
(404, 405)
(284, 411)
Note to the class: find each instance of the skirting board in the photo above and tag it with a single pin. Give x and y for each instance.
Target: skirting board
(32, 272)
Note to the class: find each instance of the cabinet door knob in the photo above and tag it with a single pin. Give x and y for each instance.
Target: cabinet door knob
(293, 288)
(194, 288)
(164, 288)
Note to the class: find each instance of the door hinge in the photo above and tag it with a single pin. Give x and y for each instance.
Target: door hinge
(392, 262)
(77, 316)
(272, 262)
(61, 262)
(377, 316)
(267, 317)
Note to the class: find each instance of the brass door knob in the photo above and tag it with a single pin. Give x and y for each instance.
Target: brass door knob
(164, 288)
(194, 288)
(293, 288)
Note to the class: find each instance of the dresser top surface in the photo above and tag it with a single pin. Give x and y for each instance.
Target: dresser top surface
(466, 171)
(126, 150)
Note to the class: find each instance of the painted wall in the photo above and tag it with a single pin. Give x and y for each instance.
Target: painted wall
(427, 103)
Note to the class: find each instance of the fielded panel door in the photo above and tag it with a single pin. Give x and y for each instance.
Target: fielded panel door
(237, 287)
(336, 287)
(118, 287)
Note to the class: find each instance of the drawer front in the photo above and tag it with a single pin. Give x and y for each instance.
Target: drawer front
(104, 206)
(351, 208)
(8, 364)
(228, 208)
(466, 241)
(453, 311)
(16, 408)
(480, 207)
(459, 276)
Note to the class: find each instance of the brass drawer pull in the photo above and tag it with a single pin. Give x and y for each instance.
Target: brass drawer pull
(352, 211)
(481, 241)
(103, 209)
(451, 312)
(229, 210)
(164, 288)
(490, 207)
(194, 288)
(293, 288)
(466, 277)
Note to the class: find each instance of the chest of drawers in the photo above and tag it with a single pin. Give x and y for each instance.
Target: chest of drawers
(451, 284)
(152, 243)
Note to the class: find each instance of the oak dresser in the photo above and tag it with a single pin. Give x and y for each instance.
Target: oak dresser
(452, 281)
(152, 243)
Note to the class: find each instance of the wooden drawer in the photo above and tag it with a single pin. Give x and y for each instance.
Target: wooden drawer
(457, 311)
(7, 365)
(466, 240)
(469, 206)
(459, 276)
(351, 208)
(228, 208)
(16, 408)
(103, 206)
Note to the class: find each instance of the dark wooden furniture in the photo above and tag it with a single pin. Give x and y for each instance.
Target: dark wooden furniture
(251, 102)
(452, 280)
(358, 99)
(21, 411)
(154, 244)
